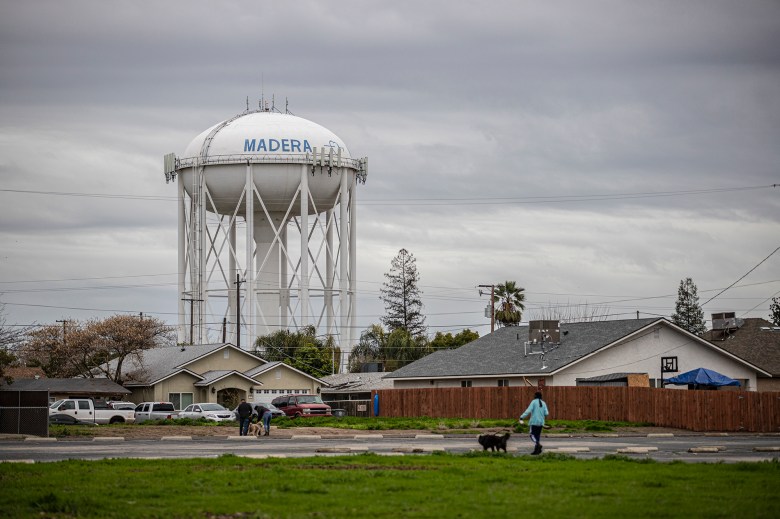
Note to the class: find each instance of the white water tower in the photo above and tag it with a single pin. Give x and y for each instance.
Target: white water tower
(266, 230)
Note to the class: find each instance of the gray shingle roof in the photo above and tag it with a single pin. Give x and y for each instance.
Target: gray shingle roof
(754, 341)
(356, 382)
(159, 363)
(502, 352)
(93, 386)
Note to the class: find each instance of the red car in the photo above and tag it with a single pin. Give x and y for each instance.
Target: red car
(302, 405)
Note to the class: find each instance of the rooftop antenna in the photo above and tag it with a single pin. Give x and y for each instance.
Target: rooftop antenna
(262, 91)
(286, 105)
(273, 102)
(247, 103)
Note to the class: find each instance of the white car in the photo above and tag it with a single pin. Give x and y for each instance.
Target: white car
(214, 412)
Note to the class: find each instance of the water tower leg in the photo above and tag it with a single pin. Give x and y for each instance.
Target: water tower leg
(284, 283)
(232, 272)
(182, 276)
(304, 279)
(329, 273)
(352, 317)
(267, 277)
(343, 338)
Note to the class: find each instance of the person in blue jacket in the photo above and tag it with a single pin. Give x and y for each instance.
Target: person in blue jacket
(537, 410)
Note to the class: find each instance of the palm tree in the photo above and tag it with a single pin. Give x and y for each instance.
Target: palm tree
(508, 300)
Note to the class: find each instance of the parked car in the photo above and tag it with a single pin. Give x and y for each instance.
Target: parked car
(296, 406)
(66, 419)
(83, 409)
(148, 411)
(209, 411)
(121, 405)
(275, 411)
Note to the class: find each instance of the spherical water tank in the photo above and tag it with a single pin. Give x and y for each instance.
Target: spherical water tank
(275, 145)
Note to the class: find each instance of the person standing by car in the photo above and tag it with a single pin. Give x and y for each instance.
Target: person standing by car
(264, 414)
(537, 410)
(244, 411)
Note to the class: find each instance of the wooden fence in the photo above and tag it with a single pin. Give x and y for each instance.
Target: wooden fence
(695, 410)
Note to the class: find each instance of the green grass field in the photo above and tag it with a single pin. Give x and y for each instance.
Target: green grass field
(440, 485)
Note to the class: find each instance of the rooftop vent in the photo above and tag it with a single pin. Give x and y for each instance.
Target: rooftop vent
(544, 332)
(723, 324)
(724, 321)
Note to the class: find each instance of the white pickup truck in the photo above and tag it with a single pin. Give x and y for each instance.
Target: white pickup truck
(83, 409)
(146, 411)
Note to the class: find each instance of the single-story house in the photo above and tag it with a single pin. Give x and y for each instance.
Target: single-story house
(95, 388)
(219, 373)
(546, 353)
(753, 339)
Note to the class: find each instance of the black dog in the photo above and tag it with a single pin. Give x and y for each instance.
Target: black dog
(493, 441)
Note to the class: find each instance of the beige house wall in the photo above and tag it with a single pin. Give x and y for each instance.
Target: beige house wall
(225, 359)
(281, 380)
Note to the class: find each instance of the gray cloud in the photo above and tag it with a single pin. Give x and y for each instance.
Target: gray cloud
(569, 118)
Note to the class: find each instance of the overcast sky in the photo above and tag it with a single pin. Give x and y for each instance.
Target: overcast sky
(594, 152)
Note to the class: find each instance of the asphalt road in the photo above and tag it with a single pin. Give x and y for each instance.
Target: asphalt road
(695, 449)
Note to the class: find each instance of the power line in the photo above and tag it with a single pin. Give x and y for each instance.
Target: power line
(542, 199)
(741, 278)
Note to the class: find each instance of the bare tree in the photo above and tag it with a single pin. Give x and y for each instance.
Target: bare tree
(46, 347)
(10, 337)
(124, 336)
(568, 313)
(95, 348)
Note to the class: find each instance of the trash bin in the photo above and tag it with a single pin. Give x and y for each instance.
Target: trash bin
(339, 412)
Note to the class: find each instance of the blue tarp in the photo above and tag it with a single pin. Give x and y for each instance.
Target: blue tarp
(702, 377)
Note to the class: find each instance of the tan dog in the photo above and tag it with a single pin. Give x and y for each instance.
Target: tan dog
(255, 429)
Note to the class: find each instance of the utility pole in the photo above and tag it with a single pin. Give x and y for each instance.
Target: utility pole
(192, 305)
(238, 310)
(224, 330)
(63, 321)
(492, 305)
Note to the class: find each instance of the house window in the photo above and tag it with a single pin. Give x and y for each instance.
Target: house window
(278, 374)
(226, 354)
(180, 400)
(503, 382)
(465, 383)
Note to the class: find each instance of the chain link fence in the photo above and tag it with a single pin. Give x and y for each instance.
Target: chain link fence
(24, 412)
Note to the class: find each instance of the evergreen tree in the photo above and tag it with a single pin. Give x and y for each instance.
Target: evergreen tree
(401, 296)
(774, 308)
(508, 299)
(688, 314)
